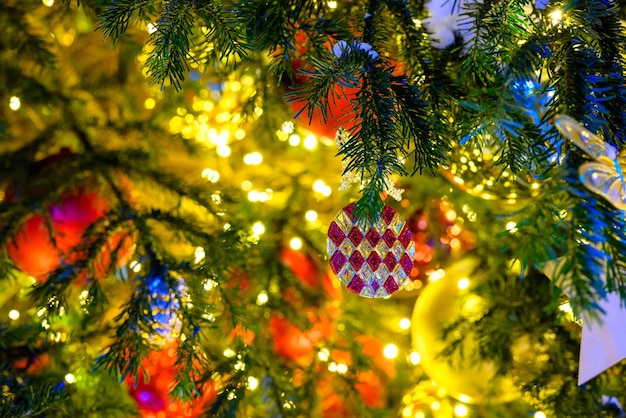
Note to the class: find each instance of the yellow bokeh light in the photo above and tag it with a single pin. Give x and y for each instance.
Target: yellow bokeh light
(253, 158)
(262, 298)
(435, 406)
(390, 351)
(311, 215)
(463, 283)
(460, 410)
(415, 358)
(151, 28)
(224, 151)
(15, 103)
(405, 323)
(436, 275)
(310, 142)
(149, 103)
(246, 185)
(48, 3)
(211, 175)
(13, 314)
(332, 4)
(294, 140)
(70, 378)
(295, 243)
(253, 383)
(539, 414)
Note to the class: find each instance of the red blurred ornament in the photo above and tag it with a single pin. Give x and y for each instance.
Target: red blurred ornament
(34, 252)
(153, 394)
(301, 265)
(299, 345)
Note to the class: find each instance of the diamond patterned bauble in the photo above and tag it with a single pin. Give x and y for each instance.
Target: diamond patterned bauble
(371, 260)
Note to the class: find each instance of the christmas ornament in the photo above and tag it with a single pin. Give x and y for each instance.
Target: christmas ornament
(371, 260)
(466, 379)
(603, 342)
(165, 310)
(475, 171)
(34, 252)
(604, 175)
(152, 389)
(426, 400)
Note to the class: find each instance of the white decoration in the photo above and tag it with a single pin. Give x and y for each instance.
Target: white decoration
(603, 342)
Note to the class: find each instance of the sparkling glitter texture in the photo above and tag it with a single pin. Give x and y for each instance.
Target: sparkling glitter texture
(374, 261)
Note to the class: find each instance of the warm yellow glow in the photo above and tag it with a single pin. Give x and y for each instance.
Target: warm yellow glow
(211, 175)
(209, 284)
(149, 103)
(539, 414)
(332, 4)
(420, 414)
(151, 27)
(417, 23)
(556, 17)
(253, 383)
(511, 227)
(240, 365)
(262, 298)
(223, 151)
(199, 254)
(463, 283)
(342, 368)
(322, 188)
(229, 353)
(254, 158)
(435, 406)
(323, 354)
(460, 410)
(405, 323)
(294, 140)
(407, 412)
(135, 266)
(310, 142)
(258, 229)
(69, 378)
(390, 351)
(15, 103)
(436, 275)
(415, 358)
(450, 215)
(295, 243)
(48, 3)
(288, 127)
(13, 314)
(310, 216)
(246, 185)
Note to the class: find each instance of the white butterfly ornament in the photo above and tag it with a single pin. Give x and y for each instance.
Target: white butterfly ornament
(604, 175)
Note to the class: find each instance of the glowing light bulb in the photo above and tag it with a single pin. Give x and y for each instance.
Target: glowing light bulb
(262, 298)
(539, 414)
(135, 266)
(511, 227)
(332, 4)
(415, 358)
(258, 229)
(199, 254)
(463, 283)
(253, 158)
(70, 378)
(13, 314)
(436, 275)
(151, 28)
(405, 323)
(15, 103)
(556, 17)
(460, 410)
(390, 351)
(311, 215)
(310, 142)
(295, 243)
(229, 353)
(252, 383)
(48, 3)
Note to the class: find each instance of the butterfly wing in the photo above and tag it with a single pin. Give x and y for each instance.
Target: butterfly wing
(604, 180)
(591, 144)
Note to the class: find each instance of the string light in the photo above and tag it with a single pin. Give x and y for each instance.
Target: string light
(294, 140)
(135, 266)
(295, 243)
(15, 103)
(405, 323)
(13, 314)
(460, 410)
(463, 283)
(310, 142)
(70, 378)
(311, 215)
(323, 354)
(556, 17)
(539, 414)
(390, 351)
(436, 275)
(415, 358)
(211, 175)
(262, 298)
(253, 158)
(511, 227)
(199, 255)
(48, 3)
(252, 383)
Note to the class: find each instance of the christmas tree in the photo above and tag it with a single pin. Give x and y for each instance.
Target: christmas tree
(304, 208)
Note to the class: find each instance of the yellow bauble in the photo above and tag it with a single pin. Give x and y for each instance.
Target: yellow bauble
(440, 304)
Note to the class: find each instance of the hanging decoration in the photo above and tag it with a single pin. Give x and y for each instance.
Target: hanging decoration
(34, 251)
(603, 342)
(152, 390)
(604, 175)
(441, 303)
(371, 260)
